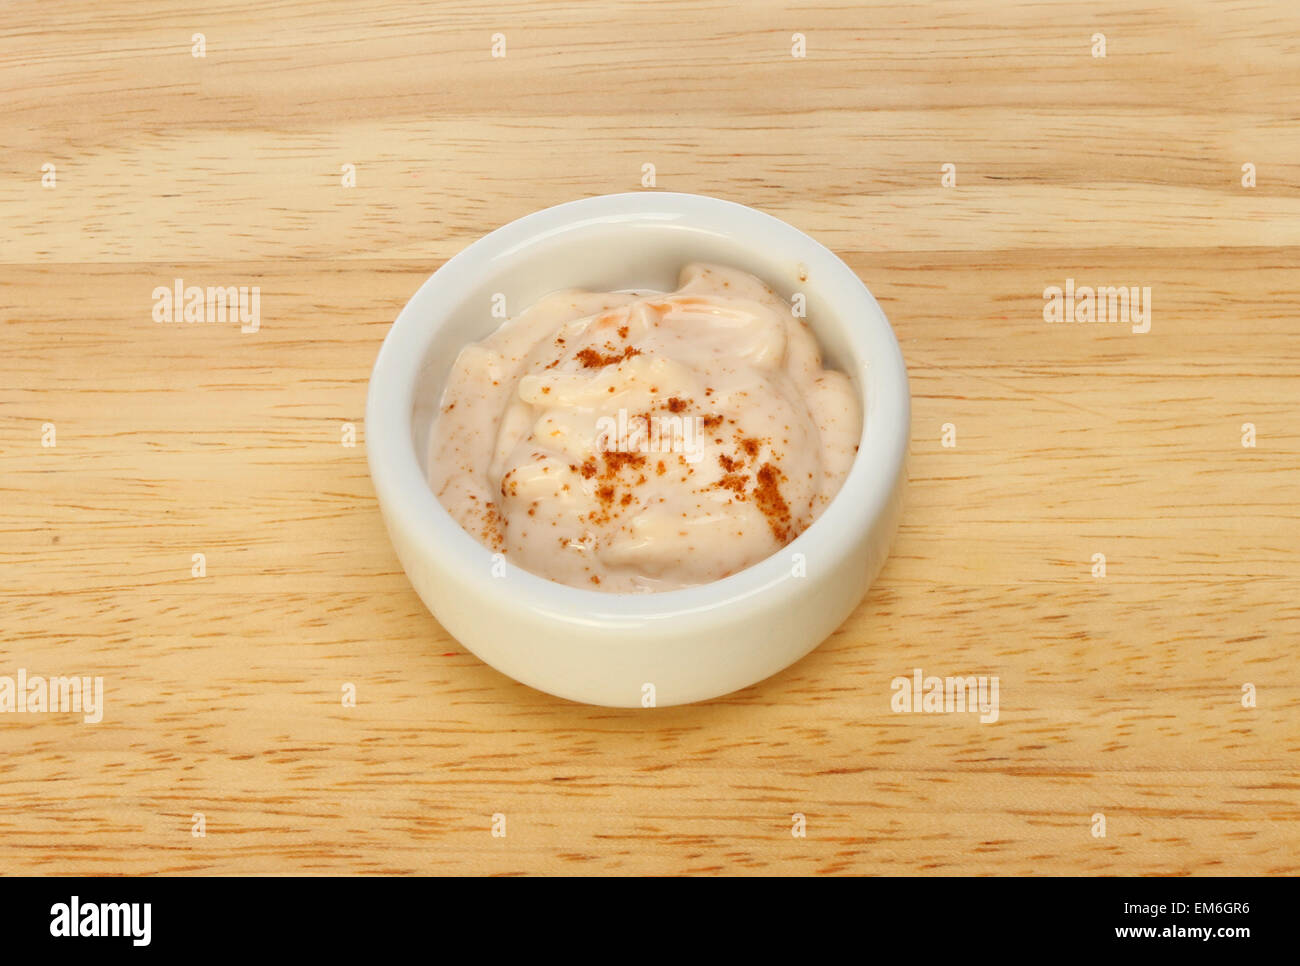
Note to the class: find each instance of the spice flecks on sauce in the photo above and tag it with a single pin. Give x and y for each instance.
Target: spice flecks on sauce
(634, 441)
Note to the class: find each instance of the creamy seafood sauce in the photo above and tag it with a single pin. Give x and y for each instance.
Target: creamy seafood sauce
(634, 441)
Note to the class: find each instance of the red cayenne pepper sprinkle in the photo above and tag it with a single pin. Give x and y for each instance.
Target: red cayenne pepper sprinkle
(591, 359)
(767, 494)
(614, 463)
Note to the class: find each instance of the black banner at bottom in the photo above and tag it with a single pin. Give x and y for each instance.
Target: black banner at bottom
(332, 916)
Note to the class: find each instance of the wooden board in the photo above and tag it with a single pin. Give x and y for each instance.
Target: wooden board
(1120, 696)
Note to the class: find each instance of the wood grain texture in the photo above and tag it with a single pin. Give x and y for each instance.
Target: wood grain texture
(1119, 696)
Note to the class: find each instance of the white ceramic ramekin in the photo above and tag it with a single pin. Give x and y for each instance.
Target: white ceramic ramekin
(640, 650)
